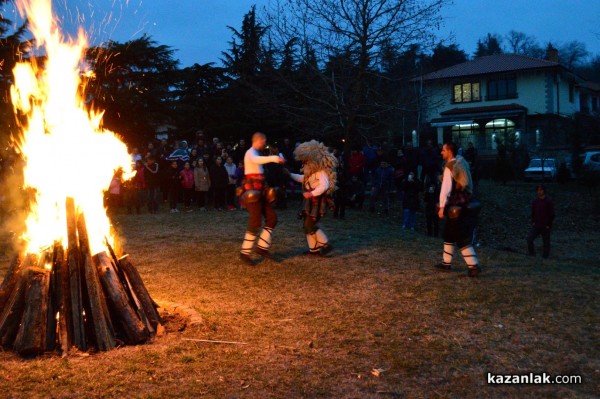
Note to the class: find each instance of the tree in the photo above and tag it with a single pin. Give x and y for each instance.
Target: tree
(13, 48)
(523, 44)
(249, 66)
(348, 38)
(133, 84)
(246, 57)
(446, 56)
(573, 54)
(489, 45)
(196, 98)
(591, 69)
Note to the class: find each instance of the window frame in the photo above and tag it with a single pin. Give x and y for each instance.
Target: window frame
(502, 89)
(473, 83)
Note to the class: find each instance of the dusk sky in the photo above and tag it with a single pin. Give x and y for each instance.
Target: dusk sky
(197, 29)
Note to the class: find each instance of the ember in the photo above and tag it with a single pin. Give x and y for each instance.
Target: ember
(67, 287)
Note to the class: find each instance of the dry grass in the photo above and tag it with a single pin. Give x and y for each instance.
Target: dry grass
(317, 327)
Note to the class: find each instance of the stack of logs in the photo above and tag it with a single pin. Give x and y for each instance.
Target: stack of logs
(57, 300)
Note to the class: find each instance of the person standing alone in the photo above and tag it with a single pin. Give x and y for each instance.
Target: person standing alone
(542, 216)
(455, 195)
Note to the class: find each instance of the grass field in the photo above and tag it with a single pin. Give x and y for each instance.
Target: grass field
(320, 327)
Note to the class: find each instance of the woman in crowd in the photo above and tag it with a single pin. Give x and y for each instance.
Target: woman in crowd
(152, 179)
(219, 180)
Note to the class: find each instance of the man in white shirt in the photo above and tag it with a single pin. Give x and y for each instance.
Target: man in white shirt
(259, 206)
(455, 195)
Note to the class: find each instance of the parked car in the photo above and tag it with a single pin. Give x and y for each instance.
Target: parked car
(590, 161)
(541, 169)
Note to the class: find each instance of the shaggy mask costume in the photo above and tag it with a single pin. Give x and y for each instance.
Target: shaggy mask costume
(318, 181)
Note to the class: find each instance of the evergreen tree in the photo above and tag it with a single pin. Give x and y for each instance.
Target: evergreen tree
(490, 45)
(446, 56)
(13, 47)
(246, 57)
(133, 84)
(196, 98)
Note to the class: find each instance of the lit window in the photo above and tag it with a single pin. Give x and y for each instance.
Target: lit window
(466, 92)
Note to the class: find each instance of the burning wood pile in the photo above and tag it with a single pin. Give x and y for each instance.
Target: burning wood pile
(61, 298)
(67, 287)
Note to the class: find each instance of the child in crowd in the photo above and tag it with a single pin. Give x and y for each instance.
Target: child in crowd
(114, 191)
(187, 185)
(136, 189)
(239, 178)
(201, 183)
(231, 183)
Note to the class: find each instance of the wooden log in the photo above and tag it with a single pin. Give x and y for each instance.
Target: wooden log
(31, 338)
(137, 284)
(115, 261)
(10, 279)
(12, 313)
(103, 329)
(126, 317)
(50, 344)
(13, 310)
(62, 295)
(76, 329)
(133, 299)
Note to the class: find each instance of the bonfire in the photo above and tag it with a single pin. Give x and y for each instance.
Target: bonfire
(67, 287)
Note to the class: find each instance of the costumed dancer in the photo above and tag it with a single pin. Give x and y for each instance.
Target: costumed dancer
(455, 196)
(318, 181)
(257, 198)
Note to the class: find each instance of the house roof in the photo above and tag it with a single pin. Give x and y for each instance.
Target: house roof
(467, 115)
(477, 110)
(591, 86)
(497, 63)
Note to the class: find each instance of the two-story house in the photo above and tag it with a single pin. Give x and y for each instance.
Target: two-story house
(502, 97)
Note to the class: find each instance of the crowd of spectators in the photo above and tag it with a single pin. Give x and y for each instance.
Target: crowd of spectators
(392, 174)
(205, 174)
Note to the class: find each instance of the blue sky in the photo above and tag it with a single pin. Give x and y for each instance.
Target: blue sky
(197, 29)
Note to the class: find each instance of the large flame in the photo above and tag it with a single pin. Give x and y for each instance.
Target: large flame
(67, 153)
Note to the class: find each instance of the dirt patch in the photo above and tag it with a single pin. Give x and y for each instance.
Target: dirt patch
(177, 317)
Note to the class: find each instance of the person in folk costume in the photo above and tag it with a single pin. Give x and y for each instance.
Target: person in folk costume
(455, 196)
(257, 198)
(318, 180)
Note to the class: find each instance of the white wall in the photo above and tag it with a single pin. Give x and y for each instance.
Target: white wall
(531, 89)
